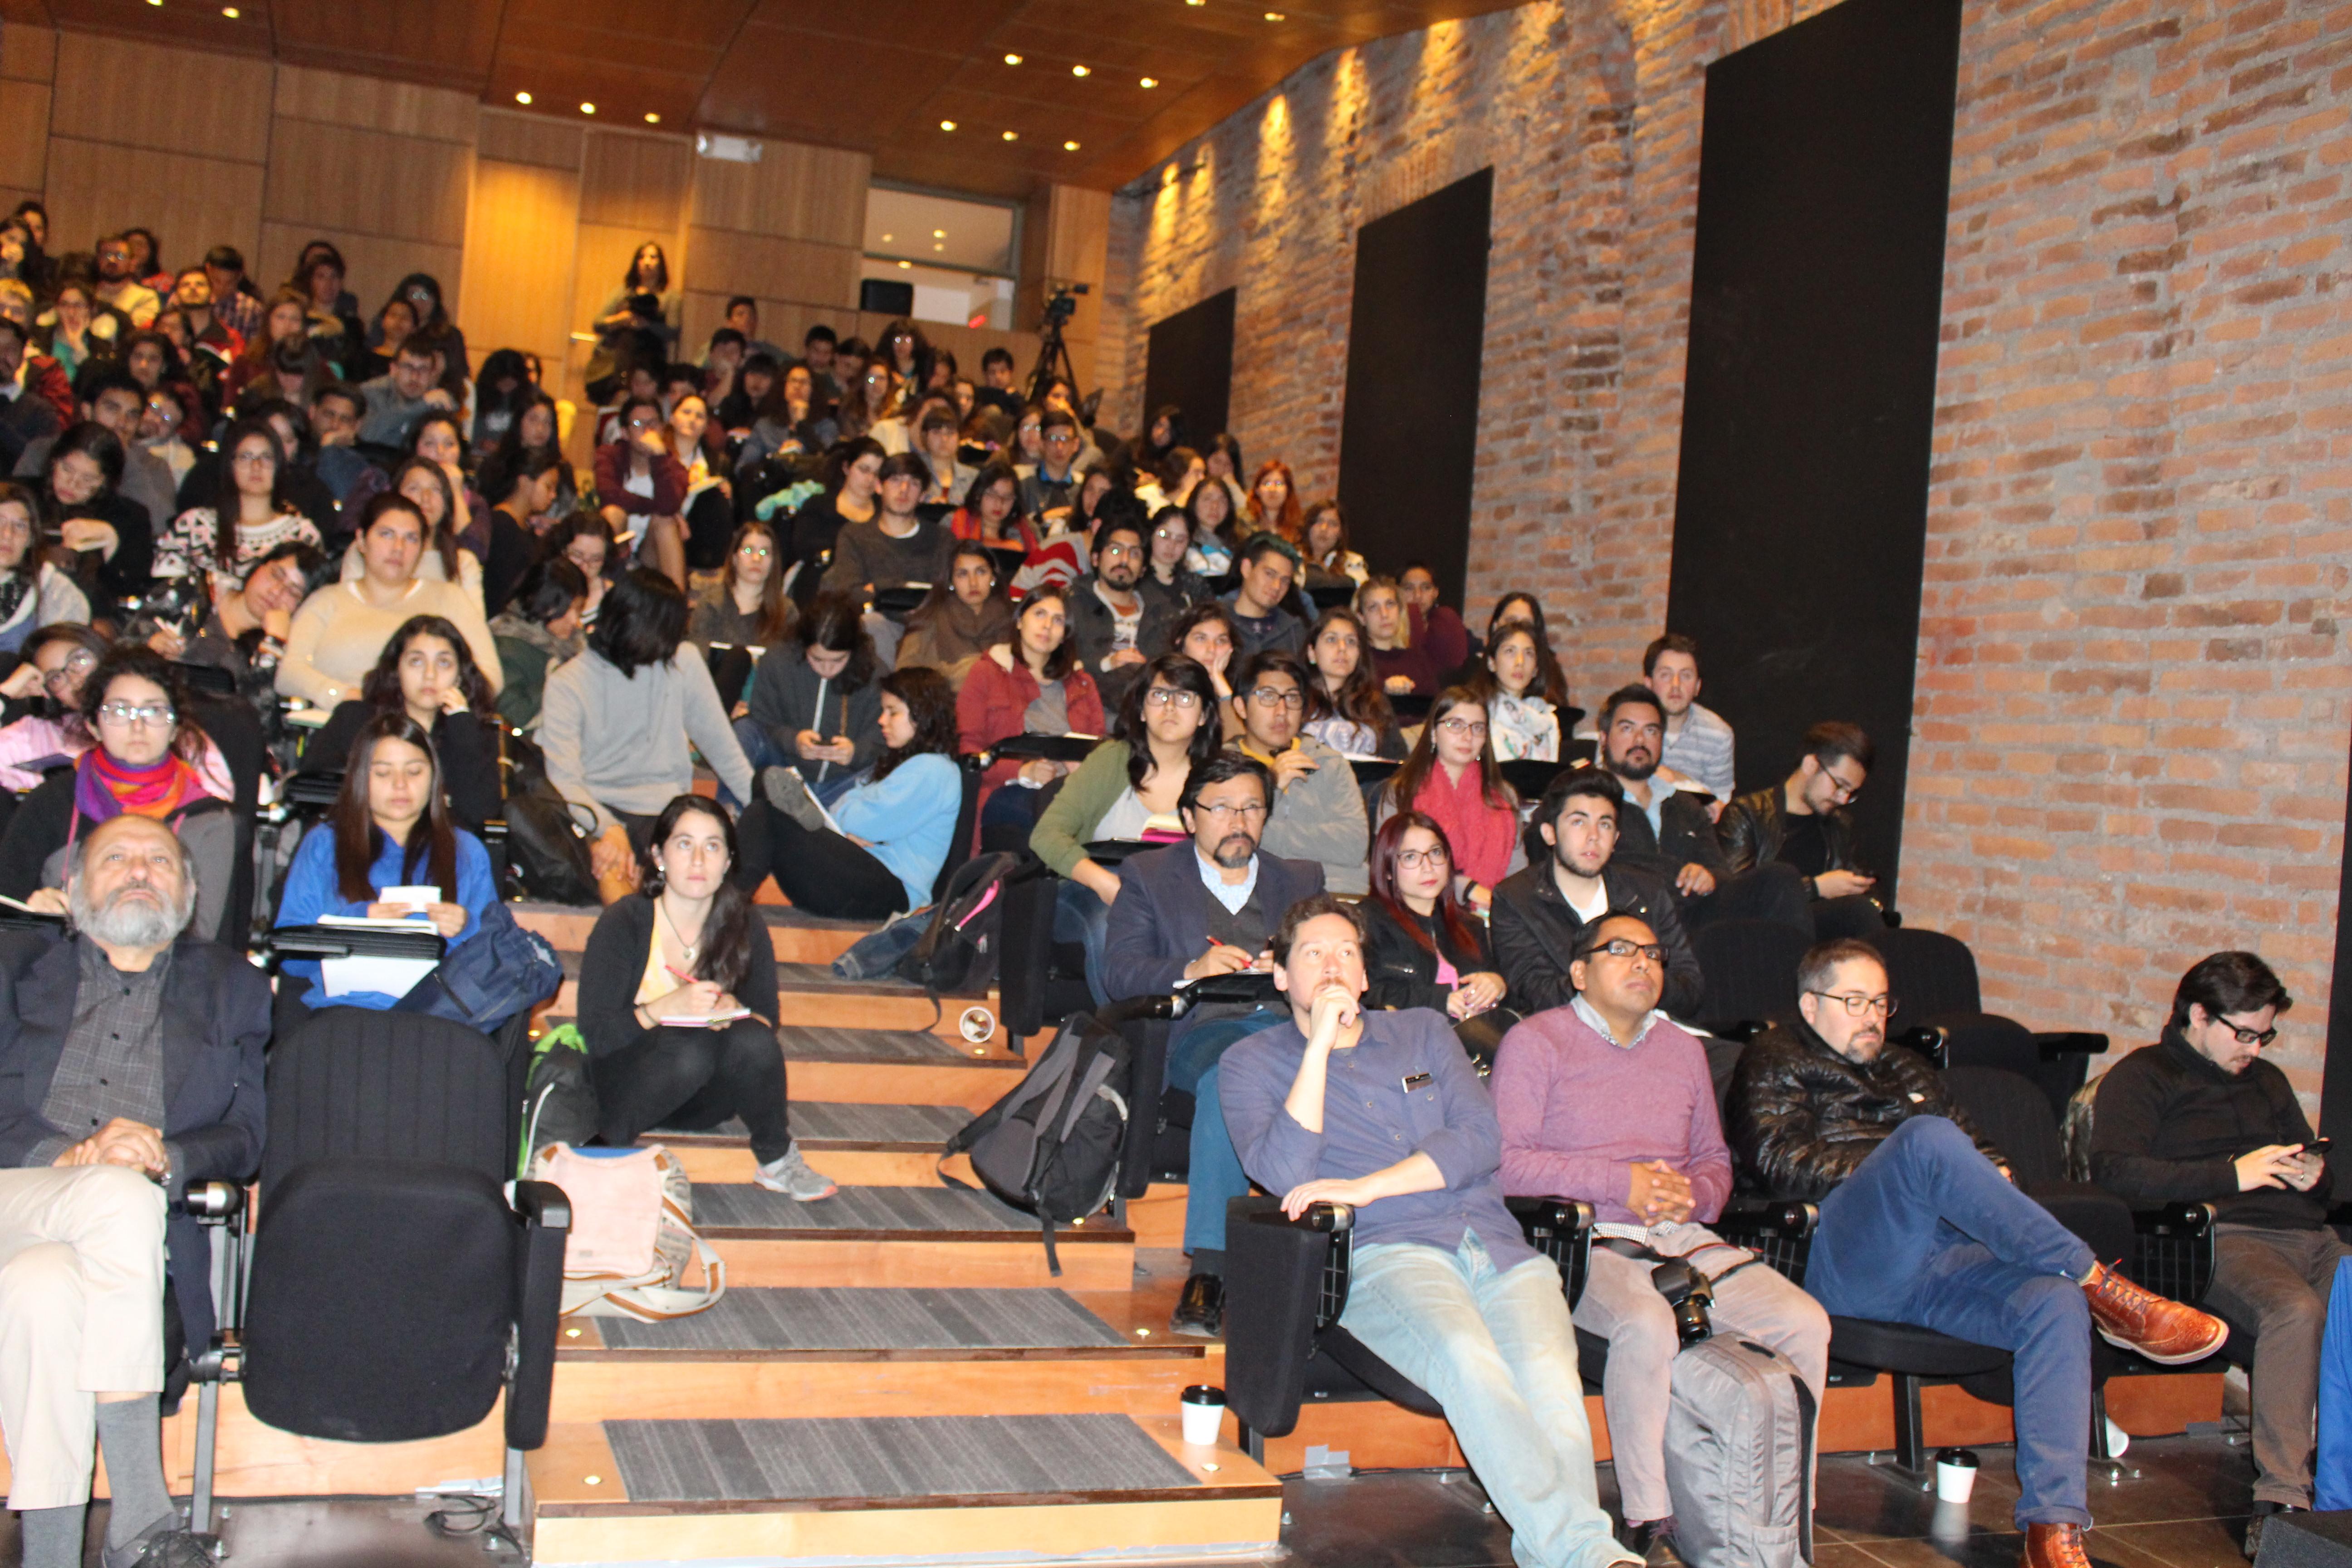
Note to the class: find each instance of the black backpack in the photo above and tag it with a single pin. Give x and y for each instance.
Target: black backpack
(1051, 1146)
(958, 948)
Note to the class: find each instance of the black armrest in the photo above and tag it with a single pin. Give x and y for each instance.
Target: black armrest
(1744, 1030)
(1251, 985)
(215, 1203)
(2174, 1219)
(1769, 1217)
(1562, 1230)
(316, 787)
(1111, 851)
(1284, 1279)
(896, 599)
(1373, 769)
(1529, 778)
(1052, 748)
(546, 1214)
(1929, 1041)
(354, 942)
(2064, 1042)
(29, 920)
(1319, 1217)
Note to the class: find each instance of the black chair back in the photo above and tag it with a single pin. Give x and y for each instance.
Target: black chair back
(1750, 969)
(2010, 1109)
(967, 813)
(237, 731)
(355, 1083)
(1932, 974)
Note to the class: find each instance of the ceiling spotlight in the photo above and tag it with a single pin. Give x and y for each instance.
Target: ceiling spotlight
(1080, 70)
(1151, 81)
(651, 118)
(909, 265)
(939, 234)
(888, 238)
(230, 12)
(587, 108)
(1275, 16)
(1013, 136)
(522, 97)
(939, 247)
(1012, 59)
(947, 125)
(1070, 146)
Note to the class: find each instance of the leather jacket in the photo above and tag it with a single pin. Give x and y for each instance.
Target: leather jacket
(1535, 932)
(1754, 825)
(1801, 1118)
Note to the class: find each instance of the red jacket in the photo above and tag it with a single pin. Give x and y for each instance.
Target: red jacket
(668, 498)
(993, 701)
(45, 378)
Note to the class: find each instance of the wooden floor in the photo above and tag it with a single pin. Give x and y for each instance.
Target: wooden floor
(1127, 1278)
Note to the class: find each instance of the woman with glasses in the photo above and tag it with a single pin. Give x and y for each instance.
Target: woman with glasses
(642, 485)
(1167, 577)
(746, 607)
(105, 537)
(1452, 778)
(960, 620)
(44, 708)
(1126, 792)
(80, 329)
(33, 593)
(1033, 683)
(1425, 947)
(148, 761)
(252, 513)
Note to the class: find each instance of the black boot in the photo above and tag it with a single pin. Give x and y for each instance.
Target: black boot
(1200, 1310)
(2263, 1511)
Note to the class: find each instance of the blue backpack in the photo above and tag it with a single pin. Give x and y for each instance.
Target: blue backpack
(503, 971)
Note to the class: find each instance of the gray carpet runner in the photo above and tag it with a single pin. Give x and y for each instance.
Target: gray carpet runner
(880, 1320)
(825, 1043)
(743, 1207)
(888, 1456)
(820, 977)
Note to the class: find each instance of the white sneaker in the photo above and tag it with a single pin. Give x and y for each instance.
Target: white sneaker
(789, 1175)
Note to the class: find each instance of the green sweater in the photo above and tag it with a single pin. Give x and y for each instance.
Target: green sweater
(1059, 839)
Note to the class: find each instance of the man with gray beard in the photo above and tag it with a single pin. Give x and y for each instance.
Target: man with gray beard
(131, 1066)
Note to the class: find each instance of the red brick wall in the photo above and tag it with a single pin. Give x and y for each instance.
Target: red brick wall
(2131, 721)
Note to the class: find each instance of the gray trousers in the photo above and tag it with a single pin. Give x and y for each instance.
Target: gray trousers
(2277, 1281)
(1621, 1306)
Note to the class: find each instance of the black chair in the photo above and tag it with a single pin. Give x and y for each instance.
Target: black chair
(1529, 778)
(1287, 1285)
(394, 1292)
(1072, 749)
(968, 772)
(1750, 974)
(1934, 978)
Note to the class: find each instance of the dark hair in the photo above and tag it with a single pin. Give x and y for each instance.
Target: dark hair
(271, 409)
(1360, 700)
(1628, 696)
(836, 623)
(443, 534)
(932, 703)
(1328, 507)
(547, 589)
(154, 246)
(528, 463)
(641, 622)
(775, 624)
(1450, 915)
(1404, 785)
(1594, 937)
(1128, 518)
(1827, 741)
(88, 639)
(1549, 677)
(1186, 675)
(1591, 783)
(1265, 660)
(1222, 767)
(1223, 530)
(226, 507)
(1175, 417)
(228, 258)
(359, 841)
(1064, 657)
(342, 389)
(103, 376)
(939, 419)
(935, 602)
(904, 464)
(820, 334)
(843, 456)
(1673, 642)
(997, 470)
(381, 688)
(94, 441)
(1200, 614)
(2232, 982)
(1055, 419)
(578, 525)
(431, 326)
(999, 356)
(22, 334)
(1822, 959)
(1314, 907)
(415, 345)
(1265, 542)
(136, 658)
(729, 928)
(723, 336)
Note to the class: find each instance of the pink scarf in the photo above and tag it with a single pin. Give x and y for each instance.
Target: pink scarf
(1480, 834)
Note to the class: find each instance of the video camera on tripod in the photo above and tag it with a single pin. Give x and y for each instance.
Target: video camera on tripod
(1053, 355)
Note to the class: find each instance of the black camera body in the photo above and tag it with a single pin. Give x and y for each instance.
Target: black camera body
(1686, 1290)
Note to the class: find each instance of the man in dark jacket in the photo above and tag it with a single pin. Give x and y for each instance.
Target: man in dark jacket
(1188, 912)
(1664, 831)
(131, 1067)
(1540, 913)
(1798, 829)
(1919, 1224)
(1118, 629)
(2199, 1117)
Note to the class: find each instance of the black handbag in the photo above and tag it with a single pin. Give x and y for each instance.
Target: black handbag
(547, 845)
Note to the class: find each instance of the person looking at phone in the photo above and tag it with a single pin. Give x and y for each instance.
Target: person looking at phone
(2199, 1117)
(1801, 829)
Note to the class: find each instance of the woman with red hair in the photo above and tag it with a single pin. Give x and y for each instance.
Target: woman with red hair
(1274, 501)
(1425, 949)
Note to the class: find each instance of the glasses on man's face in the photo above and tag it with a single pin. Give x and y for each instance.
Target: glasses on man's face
(1171, 697)
(1277, 697)
(1839, 791)
(1475, 728)
(1435, 857)
(1246, 813)
(2256, 1037)
(1858, 1005)
(1626, 947)
(1062, 437)
(643, 421)
(123, 715)
(1121, 552)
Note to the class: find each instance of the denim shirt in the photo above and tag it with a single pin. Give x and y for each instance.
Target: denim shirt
(1371, 1119)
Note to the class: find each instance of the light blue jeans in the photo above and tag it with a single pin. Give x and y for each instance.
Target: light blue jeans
(1494, 1347)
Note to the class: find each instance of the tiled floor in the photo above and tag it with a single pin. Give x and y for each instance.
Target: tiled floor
(2186, 1510)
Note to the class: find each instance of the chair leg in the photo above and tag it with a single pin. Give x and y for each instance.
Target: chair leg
(2103, 1457)
(200, 1507)
(1910, 1455)
(1253, 1441)
(514, 1501)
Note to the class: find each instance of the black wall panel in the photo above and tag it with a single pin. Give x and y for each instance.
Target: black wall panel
(1816, 295)
(1189, 362)
(1409, 432)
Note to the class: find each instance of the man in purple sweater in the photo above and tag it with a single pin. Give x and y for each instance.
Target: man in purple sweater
(1608, 1101)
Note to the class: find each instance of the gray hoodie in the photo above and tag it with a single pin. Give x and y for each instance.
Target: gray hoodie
(618, 742)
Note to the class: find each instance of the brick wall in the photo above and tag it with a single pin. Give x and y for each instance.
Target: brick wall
(2131, 719)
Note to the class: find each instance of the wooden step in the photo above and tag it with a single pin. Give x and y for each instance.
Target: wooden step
(1189, 1502)
(810, 994)
(895, 1066)
(863, 1144)
(798, 938)
(902, 1237)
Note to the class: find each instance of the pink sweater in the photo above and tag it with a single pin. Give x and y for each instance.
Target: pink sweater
(1578, 1111)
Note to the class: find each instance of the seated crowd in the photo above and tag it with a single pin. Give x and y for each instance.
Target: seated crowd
(252, 538)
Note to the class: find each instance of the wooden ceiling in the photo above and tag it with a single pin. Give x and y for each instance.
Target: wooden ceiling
(877, 76)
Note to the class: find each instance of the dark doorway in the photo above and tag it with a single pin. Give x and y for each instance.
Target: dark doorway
(1189, 363)
(1816, 297)
(1416, 336)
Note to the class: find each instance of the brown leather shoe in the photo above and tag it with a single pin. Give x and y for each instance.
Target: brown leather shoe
(2164, 1331)
(2055, 1546)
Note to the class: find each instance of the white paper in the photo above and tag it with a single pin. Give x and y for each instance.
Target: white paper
(703, 1020)
(378, 923)
(417, 896)
(389, 976)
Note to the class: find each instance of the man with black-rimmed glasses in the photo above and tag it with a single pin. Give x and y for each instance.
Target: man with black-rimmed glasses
(1919, 1224)
(2199, 1117)
(1799, 830)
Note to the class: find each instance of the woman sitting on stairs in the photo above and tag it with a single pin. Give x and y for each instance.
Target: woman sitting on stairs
(678, 1002)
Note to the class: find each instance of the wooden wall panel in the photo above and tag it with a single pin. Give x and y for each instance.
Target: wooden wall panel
(346, 181)
(29, 52)
(793, 193)
(23, 131)
(636, 182)
(967, 343)
(518, 275)
(372, 263)
(779, 269)
(372, 103)
(190, 203)
(512, 138)
(132, 94)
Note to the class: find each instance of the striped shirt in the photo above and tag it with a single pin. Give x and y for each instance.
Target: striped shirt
(1702, 750)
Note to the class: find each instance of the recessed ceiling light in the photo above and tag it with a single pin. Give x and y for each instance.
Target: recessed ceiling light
(1274, 17)
(587, 108)
(1070, 146)
(230, 12)
(1080, 70)
(1012, 59)
(522, 97)
(651, 118)
(909, 265)
(888, 238)
(1013, 136)
(1151, 81)
(947, 125)
(939, 234)
(939, 247)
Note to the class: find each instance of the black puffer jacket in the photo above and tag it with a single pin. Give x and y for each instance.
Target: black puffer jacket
(1754, 825)
(1801, 1118)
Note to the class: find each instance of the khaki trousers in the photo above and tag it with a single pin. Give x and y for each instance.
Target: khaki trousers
(82, 1313)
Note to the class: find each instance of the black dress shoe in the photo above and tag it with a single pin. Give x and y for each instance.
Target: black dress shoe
(2264, 1511)
(1200, 1312)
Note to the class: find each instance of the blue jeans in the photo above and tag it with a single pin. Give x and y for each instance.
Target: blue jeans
(1927, 1231)
(1496, 1349)
(1081, 917)
(1215, 1175)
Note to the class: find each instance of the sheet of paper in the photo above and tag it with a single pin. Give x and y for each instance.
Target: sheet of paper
(372, 922)
(389, 976)
(702, 1020)
(419, 895)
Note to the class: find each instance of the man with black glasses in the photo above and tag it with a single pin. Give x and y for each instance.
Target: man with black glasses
(1117, 627)
(1919, 1224)
(1799, 828)
(1319, 811)
(2200, 1118)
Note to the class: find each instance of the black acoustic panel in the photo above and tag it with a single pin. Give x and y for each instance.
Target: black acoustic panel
(1189, 362)
(1409, 431)
(1816, 297)
(884, 297)
(2335, 1072)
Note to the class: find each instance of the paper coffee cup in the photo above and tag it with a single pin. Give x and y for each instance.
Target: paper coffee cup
(1204, 1414)
(1955, 1475)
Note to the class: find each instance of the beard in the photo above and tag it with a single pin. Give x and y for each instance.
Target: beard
(1121, 575)
(1234, 850)
(126, 919)
(1625, 767)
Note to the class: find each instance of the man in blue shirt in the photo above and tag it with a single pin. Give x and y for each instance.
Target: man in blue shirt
(1382, 1111)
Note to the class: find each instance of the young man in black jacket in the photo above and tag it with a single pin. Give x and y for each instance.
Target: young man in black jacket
(1798, 829)
(2199, 1117)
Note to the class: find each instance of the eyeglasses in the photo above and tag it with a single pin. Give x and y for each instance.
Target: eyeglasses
(2249, 1037)
(1277, 697)
(1859, 1006)
(1625, 947)
(1255, 808)
(756, 552)
(642, 423)
(1463, 726)
(1061, 438)
(1414, 859)
(77, 662)
(1166, 533)
(1171, 697)
(253, 459)
(1119, 551)
(126, 714)
(1839, 791)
